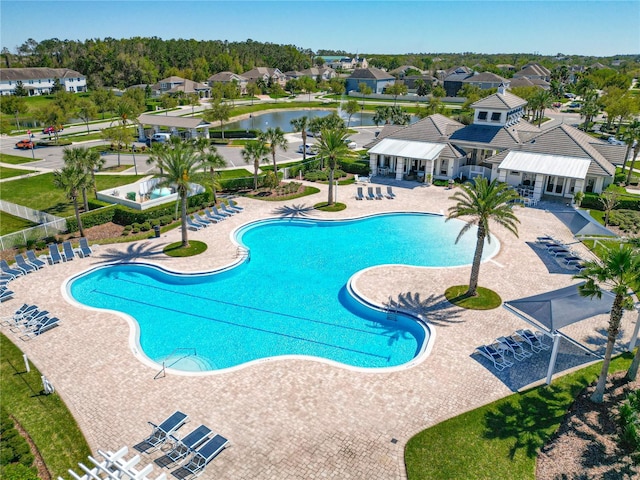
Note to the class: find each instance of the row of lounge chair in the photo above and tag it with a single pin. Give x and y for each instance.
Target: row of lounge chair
(195, 450)
(378, 195)
(29, 321)
(68, 253)
(514, 345)
(213, 215)
(562, 252)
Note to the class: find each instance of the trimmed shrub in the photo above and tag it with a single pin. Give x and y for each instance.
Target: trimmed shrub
(229, 134)
(92, 218)
(357, 167)
(592, 201)
(145, 227)
(629, 420)
(14, 449)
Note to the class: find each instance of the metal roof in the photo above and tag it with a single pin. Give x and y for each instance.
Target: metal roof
(408, 149)
(570, 167)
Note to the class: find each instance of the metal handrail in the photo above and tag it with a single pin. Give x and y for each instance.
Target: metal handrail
(163, 371)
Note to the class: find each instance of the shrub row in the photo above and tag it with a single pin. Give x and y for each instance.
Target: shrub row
(323, 175)
(357, 167)
(592, 201)
(228, 134)
(627, 220)
(629, 418)
(16, 459)
(92, 218)
(244, 183)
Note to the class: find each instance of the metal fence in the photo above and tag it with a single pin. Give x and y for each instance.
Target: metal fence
(49, 225)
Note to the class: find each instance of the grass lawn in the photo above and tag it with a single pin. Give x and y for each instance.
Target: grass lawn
(175, 249)
(45, 417)
(485, 299)
(10, 224)
(502, 439)
(12, 172)
(39, 193)
(15, 159)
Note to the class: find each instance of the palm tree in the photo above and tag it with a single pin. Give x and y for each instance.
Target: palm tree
(631, 137)
(210, 159)
(350, 108)
(302, 124)
(75, 157)
(620, 269)
(72, 179)
(331, 146)
(87, 160)
(177, 163)
(275, 138)
(483, 201)
(255, 152)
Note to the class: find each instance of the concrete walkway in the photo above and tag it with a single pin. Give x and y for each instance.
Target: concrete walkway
(303, 419)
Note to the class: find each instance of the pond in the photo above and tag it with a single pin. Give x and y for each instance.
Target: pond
(282, 119)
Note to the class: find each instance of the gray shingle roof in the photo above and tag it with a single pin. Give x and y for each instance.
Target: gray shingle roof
(500, 101)
(371, 73)
(225, 77)
(36, 73)
(485, 77)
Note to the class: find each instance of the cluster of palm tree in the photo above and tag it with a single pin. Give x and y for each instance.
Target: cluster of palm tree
(631, 136)
(77, 176)
(538, 102)
(393, 115)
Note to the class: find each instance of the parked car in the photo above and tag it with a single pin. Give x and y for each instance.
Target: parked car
(569, 95)
(52, 129)
(158, 137)
(350, 144)
(25, 144)
(614, 141)
(311, 149)
(574, 105)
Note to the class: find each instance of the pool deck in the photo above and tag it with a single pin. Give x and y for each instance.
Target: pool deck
(304, 419)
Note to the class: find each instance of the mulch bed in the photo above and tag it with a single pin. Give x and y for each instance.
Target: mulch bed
(585, 446)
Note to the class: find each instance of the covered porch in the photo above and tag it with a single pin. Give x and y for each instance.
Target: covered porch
(404, 159)
(185, 127)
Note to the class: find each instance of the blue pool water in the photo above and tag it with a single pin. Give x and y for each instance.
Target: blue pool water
(290, 298)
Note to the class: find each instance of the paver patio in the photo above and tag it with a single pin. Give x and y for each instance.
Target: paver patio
(302, 419)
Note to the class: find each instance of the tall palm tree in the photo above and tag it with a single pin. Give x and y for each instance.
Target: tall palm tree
(482, 201)
(620, 269)
(210, 159)
(331, 146)
(72, 179)
(177, 162)
(255, 152)
(275, 138)
(302, 124)
(76, 157)
(631, 137)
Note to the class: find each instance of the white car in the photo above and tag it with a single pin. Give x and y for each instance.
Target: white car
(311, 149)
(350, 144)
(614, 141)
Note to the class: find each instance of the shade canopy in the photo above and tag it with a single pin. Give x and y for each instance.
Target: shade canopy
(581, 223)
(559, 308)
(408, 149)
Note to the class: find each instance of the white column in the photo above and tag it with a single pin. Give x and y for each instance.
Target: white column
(141, 136)
(502, 175)
(554, 355)
(206, 132)
(373, 164)
(636, 330)
(399, 168)
(537, 190)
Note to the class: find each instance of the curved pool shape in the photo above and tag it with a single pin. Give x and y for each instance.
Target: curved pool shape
(288, 297)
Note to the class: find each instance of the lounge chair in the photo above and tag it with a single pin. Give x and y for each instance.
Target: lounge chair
(495, 354)
(6, 294)
(370, 195)
(359, 195)
(30, 320)
(571, 260)
(533, 339)
(84, 250)
(204, 221)
(514, 347)
(183, 446)
(390, 194)
(234, 206)
(23, 265)
(379, 195)
(67, 251)
(213, 216)
(205, 454)
(45, 324)
(6, 278)
(17, 315)
(546, 239)
(226, 209)
(160, 433)
(6, 269)
(192, 224)
(54, 254)
(33, 260)
(219, 213)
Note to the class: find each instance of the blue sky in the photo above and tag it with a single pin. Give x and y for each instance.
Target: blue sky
(599, 28)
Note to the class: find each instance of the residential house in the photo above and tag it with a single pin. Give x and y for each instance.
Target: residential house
(401, 71)
(229, 77)
(442, 74)
(534, 71)
(410, 81)
(375, 79)
(41, 80)
(321, 73)
(175, 85)
(498, 144)
(345, 63)
(525, 82)
(267, 75)
(484, 80)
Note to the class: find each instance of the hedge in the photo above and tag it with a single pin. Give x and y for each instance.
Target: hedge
(357, 167)
(592, 201)
(228, 134)
(243, 183)
(92, 218)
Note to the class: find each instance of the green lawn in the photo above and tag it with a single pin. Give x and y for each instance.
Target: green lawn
(10, 224)
(45, 417)
(39, 192)
(15, 159)
(12, 172)
(502, 439)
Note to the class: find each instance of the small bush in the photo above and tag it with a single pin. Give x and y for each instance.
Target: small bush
(626, 220)
(629, 420)
(41, 245)
(145, 227)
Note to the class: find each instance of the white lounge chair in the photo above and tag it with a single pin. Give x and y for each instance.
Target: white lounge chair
(496, 355)
(514, 347)
(533, 339)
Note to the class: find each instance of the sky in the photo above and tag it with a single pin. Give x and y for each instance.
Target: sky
(574, 27)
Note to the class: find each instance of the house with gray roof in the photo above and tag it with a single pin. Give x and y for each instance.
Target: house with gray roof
(174, 85)
(534, 71)
(41, 80)
(375, 79)
(229, 77)
(500, 144)
(484, 80)
(267, 75)
(525, 82)
(322, 73)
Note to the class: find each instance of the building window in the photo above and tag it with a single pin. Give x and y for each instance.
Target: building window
(591, 183)
(495, 116)
(482, 115)
(444, 167)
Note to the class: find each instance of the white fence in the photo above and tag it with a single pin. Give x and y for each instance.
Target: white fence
(49, 225)
(472, 171)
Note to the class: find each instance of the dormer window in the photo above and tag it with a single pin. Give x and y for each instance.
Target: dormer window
(495, 116)
(482, 115)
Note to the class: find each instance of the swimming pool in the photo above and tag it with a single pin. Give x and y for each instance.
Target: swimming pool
(289, 296)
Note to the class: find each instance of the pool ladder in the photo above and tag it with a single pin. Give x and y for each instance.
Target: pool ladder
(243, 252)
(163, 371)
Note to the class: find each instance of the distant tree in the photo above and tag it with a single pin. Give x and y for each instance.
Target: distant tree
(318, 61)
(167, 102)
(57, 86)
(194, 101)
(118, 136)
(87, 111)
(13, 105)
(276, 91)
(590, 107)
(276, 139)
(53, 115)
(438, 92)
(217, 112)
(308, 85)
(232, 91)
(609, 200)
(336, 85)
(422, 88)
(396, 89)
(66, 101)
(364, 90)
(350, 108)
(302, 124)
(252, 90)
(212, 160)
(255, 152)
(631, 137)
(104, 100)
